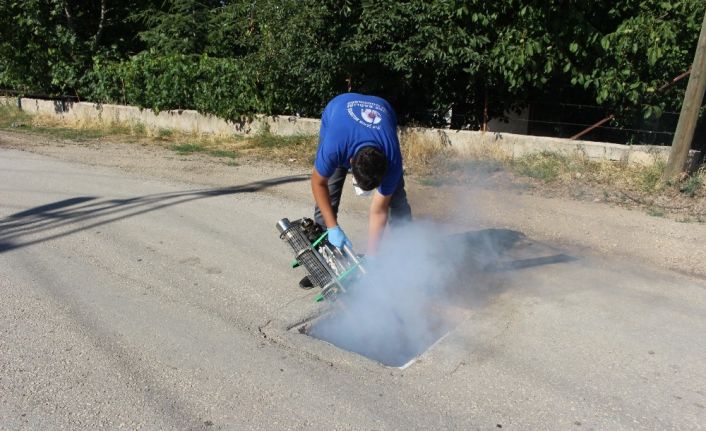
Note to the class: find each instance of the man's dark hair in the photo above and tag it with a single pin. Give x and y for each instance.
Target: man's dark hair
(369, 165)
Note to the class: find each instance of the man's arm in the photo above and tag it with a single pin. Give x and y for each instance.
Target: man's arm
(319, 187)
(379, 210)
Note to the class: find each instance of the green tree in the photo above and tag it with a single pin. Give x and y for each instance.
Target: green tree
(429, 58)
(178, 26)
(46, 46)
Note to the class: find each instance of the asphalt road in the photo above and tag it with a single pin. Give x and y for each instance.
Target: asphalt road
(130, 302)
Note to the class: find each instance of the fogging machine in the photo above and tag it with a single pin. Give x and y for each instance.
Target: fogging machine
(328, 267)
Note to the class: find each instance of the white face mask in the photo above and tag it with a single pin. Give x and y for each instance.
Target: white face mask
(358, 190)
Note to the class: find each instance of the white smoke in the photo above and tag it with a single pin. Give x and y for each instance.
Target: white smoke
(389, 314)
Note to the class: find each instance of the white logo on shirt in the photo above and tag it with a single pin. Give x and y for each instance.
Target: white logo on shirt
(370, 113)
(371, 116)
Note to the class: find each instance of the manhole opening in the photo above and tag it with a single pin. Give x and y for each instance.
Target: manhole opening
(396, 341)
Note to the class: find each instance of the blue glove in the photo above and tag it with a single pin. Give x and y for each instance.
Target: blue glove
(337, 237)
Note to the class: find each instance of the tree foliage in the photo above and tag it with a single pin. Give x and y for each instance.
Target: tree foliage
(237, 57)
(46, 46)
(220, 86)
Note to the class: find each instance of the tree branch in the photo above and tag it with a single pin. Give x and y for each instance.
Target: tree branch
(101, 23)
(69, 17)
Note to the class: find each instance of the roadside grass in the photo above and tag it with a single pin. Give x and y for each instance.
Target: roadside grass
(645, 181)
(268, 140)
(543, 166)
(217, 148)
(12, 117)
(230, 154)
(189, 148)
(297, 149)
(164, 133)
(655, 211)
(572, 175)
(425, 156)
(78, 135)
(650, 177)
(15, 120)
(693, 184)
(551, 167)
(435, 163)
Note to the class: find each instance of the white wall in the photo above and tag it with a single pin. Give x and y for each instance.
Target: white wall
(514, 145)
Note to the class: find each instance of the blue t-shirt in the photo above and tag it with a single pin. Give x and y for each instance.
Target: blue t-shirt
(351, 121)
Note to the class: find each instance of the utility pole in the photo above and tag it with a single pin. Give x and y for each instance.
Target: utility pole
(689, 115)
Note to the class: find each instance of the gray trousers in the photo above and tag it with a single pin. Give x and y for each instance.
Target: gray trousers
(400, 210)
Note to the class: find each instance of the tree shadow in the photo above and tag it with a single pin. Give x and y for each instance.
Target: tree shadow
(62, 105)
(85, 212)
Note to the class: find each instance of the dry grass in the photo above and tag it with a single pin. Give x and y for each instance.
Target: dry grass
(554, 167)
(694, 183)
(12, 117)
(577, 167)
(571, 175)
(297, 149)
(265, 146)
(617, 183)
(425, 155)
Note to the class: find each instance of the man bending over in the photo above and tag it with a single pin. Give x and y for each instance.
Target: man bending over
(359, 133)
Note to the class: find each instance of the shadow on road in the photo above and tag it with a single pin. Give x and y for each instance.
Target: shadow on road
(497, 250)
(484, 262)
(86, 212)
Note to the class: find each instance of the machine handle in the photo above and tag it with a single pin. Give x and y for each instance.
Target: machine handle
(354, 258)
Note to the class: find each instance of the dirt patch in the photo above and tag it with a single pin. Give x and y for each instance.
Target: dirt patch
(481, 196)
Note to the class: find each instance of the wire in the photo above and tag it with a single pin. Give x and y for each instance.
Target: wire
(588, 125)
